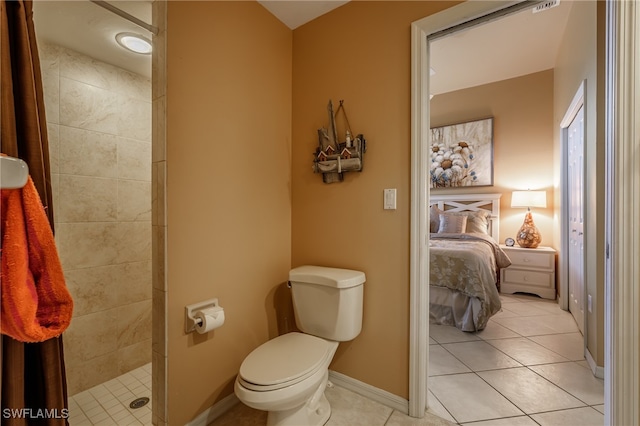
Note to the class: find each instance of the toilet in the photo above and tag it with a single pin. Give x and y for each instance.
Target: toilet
(287, 376)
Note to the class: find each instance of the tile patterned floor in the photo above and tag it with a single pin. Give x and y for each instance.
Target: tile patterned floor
(108, 404)
(347, 409)
(526, 368)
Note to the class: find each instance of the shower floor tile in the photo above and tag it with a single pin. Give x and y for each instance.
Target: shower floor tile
(108, 403)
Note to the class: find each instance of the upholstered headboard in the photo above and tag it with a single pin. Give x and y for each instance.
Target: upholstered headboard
(472, 202)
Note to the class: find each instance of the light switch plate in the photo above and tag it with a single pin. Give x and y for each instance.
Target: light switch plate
(390, 199)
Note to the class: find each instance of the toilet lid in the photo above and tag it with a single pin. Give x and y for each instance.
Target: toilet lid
(284, 359)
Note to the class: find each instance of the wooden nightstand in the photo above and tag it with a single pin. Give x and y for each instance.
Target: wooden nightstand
(531, 271)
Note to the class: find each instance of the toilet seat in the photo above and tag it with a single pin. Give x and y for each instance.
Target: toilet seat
(284, 361)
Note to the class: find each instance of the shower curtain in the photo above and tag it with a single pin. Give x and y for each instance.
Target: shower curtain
(33, 375)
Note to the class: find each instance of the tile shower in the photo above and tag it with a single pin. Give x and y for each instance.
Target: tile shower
(99, 124)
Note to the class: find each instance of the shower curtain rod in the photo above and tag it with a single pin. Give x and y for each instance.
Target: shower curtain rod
(125, 15)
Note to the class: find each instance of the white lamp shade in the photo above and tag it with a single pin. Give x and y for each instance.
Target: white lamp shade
(529, 199)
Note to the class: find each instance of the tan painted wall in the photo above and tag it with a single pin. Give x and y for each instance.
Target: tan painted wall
(243, 107)
(360, 53)
(228, 189)
(578, 61)
(522, 111)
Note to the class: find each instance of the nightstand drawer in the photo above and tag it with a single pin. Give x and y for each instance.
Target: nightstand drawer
(531, 259)
(532, 278)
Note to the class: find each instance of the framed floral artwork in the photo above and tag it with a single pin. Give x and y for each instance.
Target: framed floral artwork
(462, 155)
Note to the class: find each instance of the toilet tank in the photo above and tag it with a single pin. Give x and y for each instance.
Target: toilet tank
(328, 301)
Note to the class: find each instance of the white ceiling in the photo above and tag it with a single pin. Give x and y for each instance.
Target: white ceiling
(294, 13)
(89, 29)
(513, 46)
(516, 45)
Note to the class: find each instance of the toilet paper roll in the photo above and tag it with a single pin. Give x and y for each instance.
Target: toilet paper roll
(208, 319)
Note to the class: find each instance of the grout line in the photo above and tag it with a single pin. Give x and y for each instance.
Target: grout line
(519, 336)
(443, 406)
(106, 402)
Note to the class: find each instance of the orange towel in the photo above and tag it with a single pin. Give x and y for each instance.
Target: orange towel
(36, 304)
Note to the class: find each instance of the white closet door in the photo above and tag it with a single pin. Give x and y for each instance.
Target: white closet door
(576, 218)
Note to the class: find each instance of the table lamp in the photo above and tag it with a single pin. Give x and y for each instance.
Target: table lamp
(528, 236)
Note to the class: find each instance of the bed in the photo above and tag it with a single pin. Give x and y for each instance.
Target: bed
(464, 260)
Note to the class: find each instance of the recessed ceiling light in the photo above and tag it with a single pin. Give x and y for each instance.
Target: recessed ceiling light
(135, 43)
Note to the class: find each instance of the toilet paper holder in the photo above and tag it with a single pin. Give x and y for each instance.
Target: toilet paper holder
(190, 320)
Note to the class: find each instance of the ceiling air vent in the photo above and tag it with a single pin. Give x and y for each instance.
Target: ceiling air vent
(546, 5)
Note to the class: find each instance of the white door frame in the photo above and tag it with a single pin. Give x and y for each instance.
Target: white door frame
(419, 250)
(622, 214)
(563, 263)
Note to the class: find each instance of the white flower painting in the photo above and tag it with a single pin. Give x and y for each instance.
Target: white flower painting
(462, 154)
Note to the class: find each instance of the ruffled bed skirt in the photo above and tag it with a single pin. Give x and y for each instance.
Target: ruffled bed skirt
(449, 307)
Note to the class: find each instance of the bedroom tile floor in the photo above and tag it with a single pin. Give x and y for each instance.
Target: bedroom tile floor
(526, 368)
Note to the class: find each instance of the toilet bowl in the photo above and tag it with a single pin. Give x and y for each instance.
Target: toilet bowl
(287, 376)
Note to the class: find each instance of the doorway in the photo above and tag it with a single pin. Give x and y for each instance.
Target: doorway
(98, 114)
(422, 31)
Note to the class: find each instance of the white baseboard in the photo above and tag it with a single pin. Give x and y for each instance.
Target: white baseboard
(371, 392)
(215, 411)
(595, 369)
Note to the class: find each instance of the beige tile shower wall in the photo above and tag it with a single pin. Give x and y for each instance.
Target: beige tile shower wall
(99, 122)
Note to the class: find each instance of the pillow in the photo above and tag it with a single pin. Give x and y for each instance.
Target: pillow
(434, 218)
(477, 221)
(452, 224)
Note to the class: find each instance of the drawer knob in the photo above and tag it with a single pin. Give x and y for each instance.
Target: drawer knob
(526, 259)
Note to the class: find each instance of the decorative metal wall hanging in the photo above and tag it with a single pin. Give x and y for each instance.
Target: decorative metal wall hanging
(333, 158)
